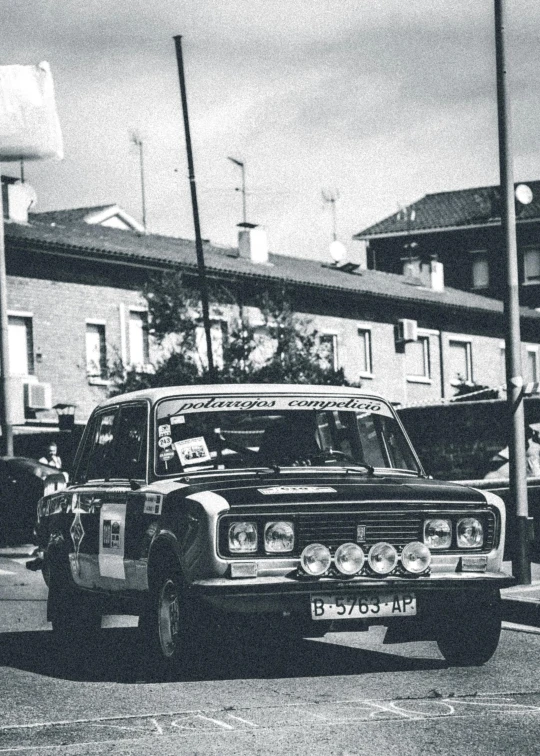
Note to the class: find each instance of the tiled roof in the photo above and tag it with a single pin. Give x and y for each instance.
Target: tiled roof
(465, 207)
(102, 243)
(72, 215)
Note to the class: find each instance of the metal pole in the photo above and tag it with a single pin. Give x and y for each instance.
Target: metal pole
(514, 378)
(198, 240)
(244, 209)
(242, 166)
(143, 192)
(6, 422)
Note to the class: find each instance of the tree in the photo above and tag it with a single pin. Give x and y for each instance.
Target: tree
(286, 349)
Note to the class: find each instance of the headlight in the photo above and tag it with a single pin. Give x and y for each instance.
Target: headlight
(315, 559)
(382, 558)
(349, 558)
(438, 534)
(416, 557)
(242, 537)
(278, 537)
(470, 533)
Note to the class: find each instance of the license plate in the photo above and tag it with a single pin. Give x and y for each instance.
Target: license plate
(328, 607)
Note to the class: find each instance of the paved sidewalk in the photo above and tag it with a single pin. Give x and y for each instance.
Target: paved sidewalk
(15, 552)
(521, 603)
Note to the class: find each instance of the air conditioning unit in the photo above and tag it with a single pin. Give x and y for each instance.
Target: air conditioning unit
(38, 396)
(407, 330)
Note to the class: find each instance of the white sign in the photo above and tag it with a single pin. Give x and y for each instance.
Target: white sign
(29, 125)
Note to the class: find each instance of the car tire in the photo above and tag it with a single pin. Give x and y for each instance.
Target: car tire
(469, 629)
(168, 623)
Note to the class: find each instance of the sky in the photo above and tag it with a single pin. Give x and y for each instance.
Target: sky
(377, 101)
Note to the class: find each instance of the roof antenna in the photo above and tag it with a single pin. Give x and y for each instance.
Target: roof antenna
(138, 141)
(338, 251)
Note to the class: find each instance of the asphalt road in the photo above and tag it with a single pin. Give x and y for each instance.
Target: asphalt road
(347, 694)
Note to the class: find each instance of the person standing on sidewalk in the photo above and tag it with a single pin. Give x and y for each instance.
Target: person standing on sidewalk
(51, 457)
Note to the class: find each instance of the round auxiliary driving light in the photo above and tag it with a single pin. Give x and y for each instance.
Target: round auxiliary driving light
(382, 558)
(416, 557)
(349, 558)
(315, 559)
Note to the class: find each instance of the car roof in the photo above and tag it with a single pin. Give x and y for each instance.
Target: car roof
(234, 389)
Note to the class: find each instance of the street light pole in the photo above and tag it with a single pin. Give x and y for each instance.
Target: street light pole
(514, 378)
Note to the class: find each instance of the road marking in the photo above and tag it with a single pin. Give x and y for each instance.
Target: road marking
(240, 719)
(6, 572)
(79, 733)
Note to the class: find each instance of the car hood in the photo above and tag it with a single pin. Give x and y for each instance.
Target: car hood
(341, 489)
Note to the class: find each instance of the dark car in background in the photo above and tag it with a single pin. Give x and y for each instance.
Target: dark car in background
(23, 482)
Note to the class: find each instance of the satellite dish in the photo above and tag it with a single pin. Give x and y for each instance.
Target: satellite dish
(338, 251)
(524, 194)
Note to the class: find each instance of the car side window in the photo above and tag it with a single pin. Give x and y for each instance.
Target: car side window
(99, 459)
(129, 456)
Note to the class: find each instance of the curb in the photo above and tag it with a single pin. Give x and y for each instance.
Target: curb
(521, 611)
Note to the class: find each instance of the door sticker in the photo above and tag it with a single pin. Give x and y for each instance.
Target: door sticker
(77, 535)
(153, 503)
(112, 525)
(164, 430)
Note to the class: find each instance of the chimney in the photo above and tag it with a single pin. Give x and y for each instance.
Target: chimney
(432, 274)
(411, 267)
(253, 243)
(17, 199)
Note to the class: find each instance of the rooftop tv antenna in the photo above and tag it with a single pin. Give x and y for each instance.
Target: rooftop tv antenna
(338, 251)
(241, 164)
(330, 198)
(138, 141)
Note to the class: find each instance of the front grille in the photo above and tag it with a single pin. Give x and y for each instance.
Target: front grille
(333, 528)
(397, 528)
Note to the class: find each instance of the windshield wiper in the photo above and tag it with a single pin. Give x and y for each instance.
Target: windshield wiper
(268, 471)
(354, 468)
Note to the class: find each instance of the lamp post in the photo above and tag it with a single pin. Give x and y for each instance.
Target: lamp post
(514, 379)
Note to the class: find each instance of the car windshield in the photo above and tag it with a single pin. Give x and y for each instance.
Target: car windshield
(232, 432)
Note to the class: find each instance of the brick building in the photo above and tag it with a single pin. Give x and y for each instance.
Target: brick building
(462, 229)
(74, 305)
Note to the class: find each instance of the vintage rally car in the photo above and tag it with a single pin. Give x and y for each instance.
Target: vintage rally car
(302, 507)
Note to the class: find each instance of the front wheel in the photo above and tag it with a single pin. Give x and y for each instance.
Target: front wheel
(167, 623)
(469, 629)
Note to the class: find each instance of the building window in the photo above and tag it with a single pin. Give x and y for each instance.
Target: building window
(139, 352)
(417, 358)
(96, 351)
(21, 345)
(460, 361)
(328, 343)
(480, 270)
(366, 364)
(531, 367)
(532, 265)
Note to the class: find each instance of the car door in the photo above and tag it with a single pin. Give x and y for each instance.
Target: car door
(113, 461)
